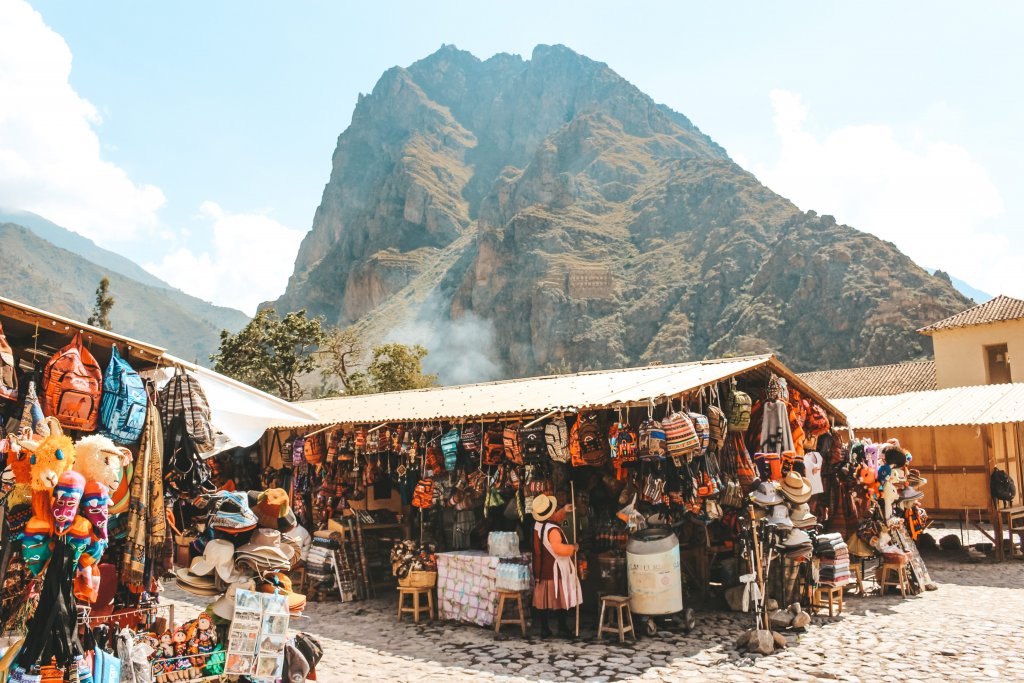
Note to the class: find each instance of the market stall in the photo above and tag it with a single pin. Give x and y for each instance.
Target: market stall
(680, 447)
(114, 450)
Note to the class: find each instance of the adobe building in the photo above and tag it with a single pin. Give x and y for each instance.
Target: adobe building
(961, 415)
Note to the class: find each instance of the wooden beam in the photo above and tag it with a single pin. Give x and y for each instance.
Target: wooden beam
(990, 460)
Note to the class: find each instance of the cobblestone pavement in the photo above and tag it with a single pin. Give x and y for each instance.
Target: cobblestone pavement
(972, 628)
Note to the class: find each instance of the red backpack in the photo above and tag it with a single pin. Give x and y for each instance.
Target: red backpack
(72, 385)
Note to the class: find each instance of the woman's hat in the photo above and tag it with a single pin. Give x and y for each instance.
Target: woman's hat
(217, 556)
(192, 583)
(795, 488)
(543, 507)
(796, 538)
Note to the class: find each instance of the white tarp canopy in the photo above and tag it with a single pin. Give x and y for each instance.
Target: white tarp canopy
(628, 387)
(239, 411)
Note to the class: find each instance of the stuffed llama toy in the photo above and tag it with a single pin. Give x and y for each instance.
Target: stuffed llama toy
(99, 460)
(49, 457)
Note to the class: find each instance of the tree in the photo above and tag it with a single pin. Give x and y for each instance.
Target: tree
(100, 316)
(271, 353)
(340, 355)
(394, 367)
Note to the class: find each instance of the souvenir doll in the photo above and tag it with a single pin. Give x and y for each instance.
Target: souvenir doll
(205, 637)
(182, 665)
(164, 654)
(67, 495)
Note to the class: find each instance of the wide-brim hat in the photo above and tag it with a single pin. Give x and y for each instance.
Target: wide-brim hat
(909, 493)
(915, 479)
(233, 514)
(780, 517)
(197, 585)
(802, 517)
(224, 607)
(795, 488)
(766, 494)
(796, 538)
(266, 544)
(543, 507)
(216, 554)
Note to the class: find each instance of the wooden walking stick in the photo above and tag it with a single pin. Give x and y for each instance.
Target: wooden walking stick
(575, 559)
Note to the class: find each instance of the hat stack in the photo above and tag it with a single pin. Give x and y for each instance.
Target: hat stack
(766, 495)
(265, 553)
(795, 488)
(232, 514)
(802, 517)
(196, 581)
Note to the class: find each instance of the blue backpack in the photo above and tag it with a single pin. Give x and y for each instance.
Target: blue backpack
(123, 406)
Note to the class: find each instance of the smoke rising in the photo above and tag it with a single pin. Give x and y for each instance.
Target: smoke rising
(459, 351)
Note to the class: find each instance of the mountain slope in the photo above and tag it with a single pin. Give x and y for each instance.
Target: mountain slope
(83, 246)
(41, 274)
(585, 226)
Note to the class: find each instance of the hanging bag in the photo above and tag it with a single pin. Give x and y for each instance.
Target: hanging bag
(184, 395)
(123, 406)
(72, 386)
(8, 370)
(681, 440)
(650, 438)
(556, 438)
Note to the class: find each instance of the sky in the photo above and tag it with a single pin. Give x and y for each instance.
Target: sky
(196, 137)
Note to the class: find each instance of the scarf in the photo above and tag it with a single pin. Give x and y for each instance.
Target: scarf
(147, 522)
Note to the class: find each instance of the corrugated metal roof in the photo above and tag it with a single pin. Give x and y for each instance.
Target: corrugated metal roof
(986, 404)
(996, 310)
(876, 380)
(538, 395)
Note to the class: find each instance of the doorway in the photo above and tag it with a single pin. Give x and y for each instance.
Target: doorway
(997, 364)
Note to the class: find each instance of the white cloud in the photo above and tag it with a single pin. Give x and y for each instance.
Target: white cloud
(50, 160)
(928, 196)
(249, 261)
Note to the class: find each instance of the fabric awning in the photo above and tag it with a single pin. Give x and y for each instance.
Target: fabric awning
(629, 387)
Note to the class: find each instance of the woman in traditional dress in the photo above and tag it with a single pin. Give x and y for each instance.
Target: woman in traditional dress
(557, 587)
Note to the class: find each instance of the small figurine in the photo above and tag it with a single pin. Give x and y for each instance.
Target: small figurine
(205, 639)
(182, 665)
(164, 653)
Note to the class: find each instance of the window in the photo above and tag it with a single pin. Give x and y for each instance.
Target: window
(997, 364)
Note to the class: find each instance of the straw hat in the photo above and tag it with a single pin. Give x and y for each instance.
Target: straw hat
(224, 607)
(543, 507)
(197, 585)
(795, 488)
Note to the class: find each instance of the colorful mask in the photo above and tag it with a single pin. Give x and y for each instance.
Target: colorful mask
(79, 538)
(67, 495)
(36, 549)
(94, 508)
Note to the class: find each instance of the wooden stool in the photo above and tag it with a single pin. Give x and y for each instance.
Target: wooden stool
(515, 597)
(894, 575)
(832, 592)
(416, 609)
(618, 603)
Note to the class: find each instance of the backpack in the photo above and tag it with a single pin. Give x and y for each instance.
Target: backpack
(588, 445)
(534, 444)
(72, 385)
(513, 443)
(423, 494)
(681, 438)
(718, 425)
(184, 394)
(650, 440)
(556, 438)
(450, 448)
(123, 406)
(8, 370)
(739, 410)
(703, 429)
(622, 442)
(313, 449)
(1002, 487)
(471, 439)
(494, 445)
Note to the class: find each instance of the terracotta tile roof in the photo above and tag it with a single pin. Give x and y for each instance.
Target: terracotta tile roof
(996, 310)
(878, 380)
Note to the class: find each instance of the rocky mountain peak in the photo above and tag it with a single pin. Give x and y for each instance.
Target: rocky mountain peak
(576, 222)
